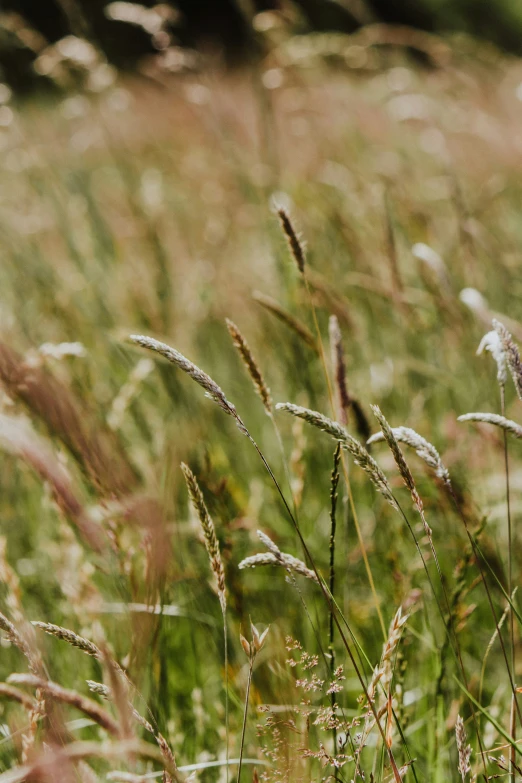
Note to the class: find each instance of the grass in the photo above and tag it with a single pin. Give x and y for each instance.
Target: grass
(153, 210)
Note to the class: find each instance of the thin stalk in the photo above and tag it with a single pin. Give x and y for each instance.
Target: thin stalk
(343, 459)
(333, 524)
(449, 626)
(285, 461)
(330, 604)
(512, 717)
(479, 556)
(227, 716)
(245, 714)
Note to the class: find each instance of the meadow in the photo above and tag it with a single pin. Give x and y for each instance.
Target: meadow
(192, 571)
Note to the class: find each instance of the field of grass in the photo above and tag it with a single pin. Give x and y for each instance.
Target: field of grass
(152, 209)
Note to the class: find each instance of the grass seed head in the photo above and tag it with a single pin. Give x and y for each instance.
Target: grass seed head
(339, 368)
(357, 451)
(424, 449)
(464, 750)
(493, 418)
(209, 533)
(492, 342)
(295, 243)
(512, 355)
(251, 365)
(212, 390)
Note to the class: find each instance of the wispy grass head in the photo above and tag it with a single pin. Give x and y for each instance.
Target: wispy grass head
(492, 342)
(352, 446)
(424, 449)
(493, 418)
(212, 390)
(512, 355)
(274, 556)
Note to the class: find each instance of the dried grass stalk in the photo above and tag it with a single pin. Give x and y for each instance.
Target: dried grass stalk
(402, 465)
(95, 448)
(13, 598)
(275, 557)
(512, 355)
(18, 437)
(10, 692)
(106, 693)
(493, 418)
(23, 637)
(53, 759)
(16, 638)
(251, 365)
(167, 754)
(128, 392)
(383, 673)
(424, 449)
(295, 242)
(297, 326)
(119, 691)
(212, 390)
(464, 750)
(390, 647)
(358, 452)
(209, 533)
(82, 703)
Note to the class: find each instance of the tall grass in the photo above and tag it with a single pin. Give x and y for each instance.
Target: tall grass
(393, 649)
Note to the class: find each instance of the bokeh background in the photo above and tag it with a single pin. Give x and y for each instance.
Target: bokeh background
(224, 26)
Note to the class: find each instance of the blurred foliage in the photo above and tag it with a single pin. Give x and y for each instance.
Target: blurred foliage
(129, 33)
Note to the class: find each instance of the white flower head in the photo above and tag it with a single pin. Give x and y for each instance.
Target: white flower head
(474, 300)
(429, 256)
(491, 342)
